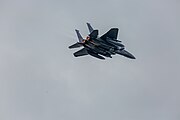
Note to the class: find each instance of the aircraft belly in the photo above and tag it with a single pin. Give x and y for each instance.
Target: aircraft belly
(95, 55)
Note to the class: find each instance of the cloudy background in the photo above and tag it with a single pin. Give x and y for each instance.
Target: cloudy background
(41, 80)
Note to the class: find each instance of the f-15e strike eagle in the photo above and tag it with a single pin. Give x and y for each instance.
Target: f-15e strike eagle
(100, 47)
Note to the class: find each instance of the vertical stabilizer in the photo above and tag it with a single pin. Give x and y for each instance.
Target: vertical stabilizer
(90, 27)
(79, 36)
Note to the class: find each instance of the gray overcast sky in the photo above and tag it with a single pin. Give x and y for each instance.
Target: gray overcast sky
(41, 80)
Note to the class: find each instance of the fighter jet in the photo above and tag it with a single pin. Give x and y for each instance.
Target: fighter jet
(106, 45)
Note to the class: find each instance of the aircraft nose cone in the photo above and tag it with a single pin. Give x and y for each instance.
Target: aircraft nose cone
(126, 54)
(131, 56)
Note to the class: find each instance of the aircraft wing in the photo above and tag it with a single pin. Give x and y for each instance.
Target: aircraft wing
(81, 52)
(112, 33)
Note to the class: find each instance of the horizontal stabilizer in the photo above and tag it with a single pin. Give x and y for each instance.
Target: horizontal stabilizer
(76, 45)
(94, 34)
(81, 52)
(112, 33)
(89, 27)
